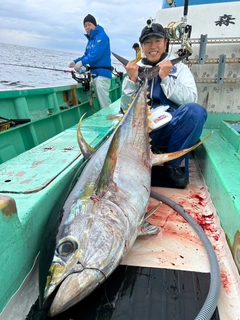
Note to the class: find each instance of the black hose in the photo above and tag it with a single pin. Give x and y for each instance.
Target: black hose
(210, 303)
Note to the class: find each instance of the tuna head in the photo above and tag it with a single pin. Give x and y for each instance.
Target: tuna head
(89, 248)
(71, 288)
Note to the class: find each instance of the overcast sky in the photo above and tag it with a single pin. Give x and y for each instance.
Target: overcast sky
(58, 24)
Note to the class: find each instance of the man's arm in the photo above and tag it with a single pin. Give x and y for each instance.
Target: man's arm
(129, 90)
(182, 89)
(130, 85)
(97, 51)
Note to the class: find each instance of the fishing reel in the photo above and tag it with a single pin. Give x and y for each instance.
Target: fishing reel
(118, 74)
(84, 79)
(180, 31)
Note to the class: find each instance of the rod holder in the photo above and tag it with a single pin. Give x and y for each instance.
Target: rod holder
(202, 49)
(221, 68)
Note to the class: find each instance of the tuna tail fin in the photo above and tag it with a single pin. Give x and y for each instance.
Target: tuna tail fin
(85, 148)
(158, 159)
(150, 73)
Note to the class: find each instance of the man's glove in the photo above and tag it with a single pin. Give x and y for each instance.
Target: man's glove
(78, 66)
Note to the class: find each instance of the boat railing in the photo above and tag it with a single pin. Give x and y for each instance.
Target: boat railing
(49, 111)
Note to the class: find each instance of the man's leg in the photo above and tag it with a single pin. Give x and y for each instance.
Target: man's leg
(186, 128)
(182, 132)
(102, 87)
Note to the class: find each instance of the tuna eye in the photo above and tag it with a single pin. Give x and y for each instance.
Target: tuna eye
(66, 248)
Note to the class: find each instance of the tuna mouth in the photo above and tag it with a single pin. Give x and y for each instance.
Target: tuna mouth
(47, 302)
(74, 288)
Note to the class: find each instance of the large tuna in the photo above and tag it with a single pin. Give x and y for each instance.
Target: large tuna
(106, 210)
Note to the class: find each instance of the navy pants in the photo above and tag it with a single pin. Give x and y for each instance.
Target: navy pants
(183, 131)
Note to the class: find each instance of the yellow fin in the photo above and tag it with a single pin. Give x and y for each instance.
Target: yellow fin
(85, 148)
(150, 212)
(159, 159)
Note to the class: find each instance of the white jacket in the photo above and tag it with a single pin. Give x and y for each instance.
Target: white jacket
(179, 86)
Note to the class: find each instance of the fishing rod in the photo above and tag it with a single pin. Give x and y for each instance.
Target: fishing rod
(84, 79)
(185, 11)
(36, 67)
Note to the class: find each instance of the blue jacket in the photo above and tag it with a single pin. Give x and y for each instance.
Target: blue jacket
(97, 52)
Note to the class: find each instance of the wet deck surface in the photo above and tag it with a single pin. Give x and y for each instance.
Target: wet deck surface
(138, 293)
(165, 276)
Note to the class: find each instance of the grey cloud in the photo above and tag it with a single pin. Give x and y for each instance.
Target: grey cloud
(57, 24)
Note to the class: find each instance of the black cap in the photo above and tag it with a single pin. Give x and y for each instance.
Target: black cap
(156, 29)
(135, 45)
(90, 18)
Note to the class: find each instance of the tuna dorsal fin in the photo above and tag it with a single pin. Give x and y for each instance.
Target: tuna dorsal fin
(106, 176)
(85, 148)
(158, 159)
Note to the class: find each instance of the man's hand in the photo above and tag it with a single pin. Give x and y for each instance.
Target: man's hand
(132, 71)
(71, 64)
(78, 65)
(165, 68)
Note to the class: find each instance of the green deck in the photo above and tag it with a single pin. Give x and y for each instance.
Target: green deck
(219, 159)
(37, 180)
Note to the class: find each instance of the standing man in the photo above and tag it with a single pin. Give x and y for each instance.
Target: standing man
(98, 56)
(173, 86)
(137, 48)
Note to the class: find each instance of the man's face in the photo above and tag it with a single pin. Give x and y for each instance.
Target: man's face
(153, 48)
(88, 26)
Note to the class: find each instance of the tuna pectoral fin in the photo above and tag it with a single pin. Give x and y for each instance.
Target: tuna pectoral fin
(85, 148)
(150, 212)
(158, 159)
(147, 228)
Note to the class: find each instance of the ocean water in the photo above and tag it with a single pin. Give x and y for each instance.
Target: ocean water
(23, 67)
